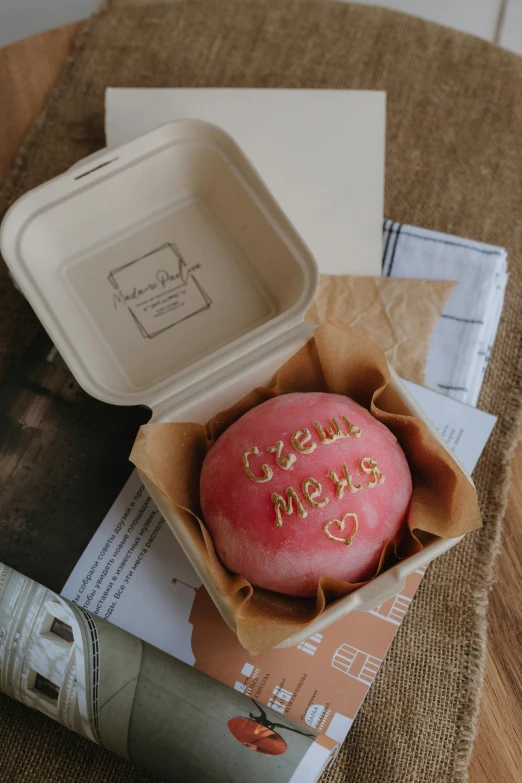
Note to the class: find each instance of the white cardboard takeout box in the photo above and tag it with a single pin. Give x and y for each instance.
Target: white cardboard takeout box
(166, 275)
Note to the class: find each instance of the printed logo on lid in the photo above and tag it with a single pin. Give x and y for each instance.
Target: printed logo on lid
(159, 290)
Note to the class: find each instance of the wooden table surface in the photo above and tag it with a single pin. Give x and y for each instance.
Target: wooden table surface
(28, 70)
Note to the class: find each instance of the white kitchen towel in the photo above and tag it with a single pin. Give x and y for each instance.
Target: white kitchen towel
(464, 336)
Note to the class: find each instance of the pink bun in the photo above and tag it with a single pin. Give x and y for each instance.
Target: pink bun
(339, 473)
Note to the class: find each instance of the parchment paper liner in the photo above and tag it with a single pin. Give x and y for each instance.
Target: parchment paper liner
(341, 360)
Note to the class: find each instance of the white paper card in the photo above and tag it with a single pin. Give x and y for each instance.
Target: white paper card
(465, 429)
(321, 153)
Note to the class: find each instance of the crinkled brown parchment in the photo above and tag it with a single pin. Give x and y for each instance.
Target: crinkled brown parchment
(341, 360)
(399, 315)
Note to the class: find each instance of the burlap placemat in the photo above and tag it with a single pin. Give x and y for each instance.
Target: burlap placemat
(453, 163)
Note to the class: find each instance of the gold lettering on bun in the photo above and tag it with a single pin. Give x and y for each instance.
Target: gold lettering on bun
(353, 429)
(340, 524)
(287, 507)
(267, 470)
(333, 432)
(299, 440)
(343, 483)
(312, 494)
(284, 461)
(369, 465)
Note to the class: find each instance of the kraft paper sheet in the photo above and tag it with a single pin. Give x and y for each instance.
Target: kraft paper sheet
(399, 315)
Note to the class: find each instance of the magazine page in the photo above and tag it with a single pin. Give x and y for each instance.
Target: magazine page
(135, 574)
(134, 699)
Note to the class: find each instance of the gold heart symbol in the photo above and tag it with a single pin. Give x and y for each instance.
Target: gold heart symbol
(340, 525)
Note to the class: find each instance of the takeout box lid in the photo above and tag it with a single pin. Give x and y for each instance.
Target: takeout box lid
(157, 263)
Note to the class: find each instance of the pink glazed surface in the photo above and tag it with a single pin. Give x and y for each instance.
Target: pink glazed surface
(241, 513)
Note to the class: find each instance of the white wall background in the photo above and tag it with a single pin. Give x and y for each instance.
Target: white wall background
(21, 18)
(494, 20)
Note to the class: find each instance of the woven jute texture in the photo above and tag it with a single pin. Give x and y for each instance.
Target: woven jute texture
(454, 163)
